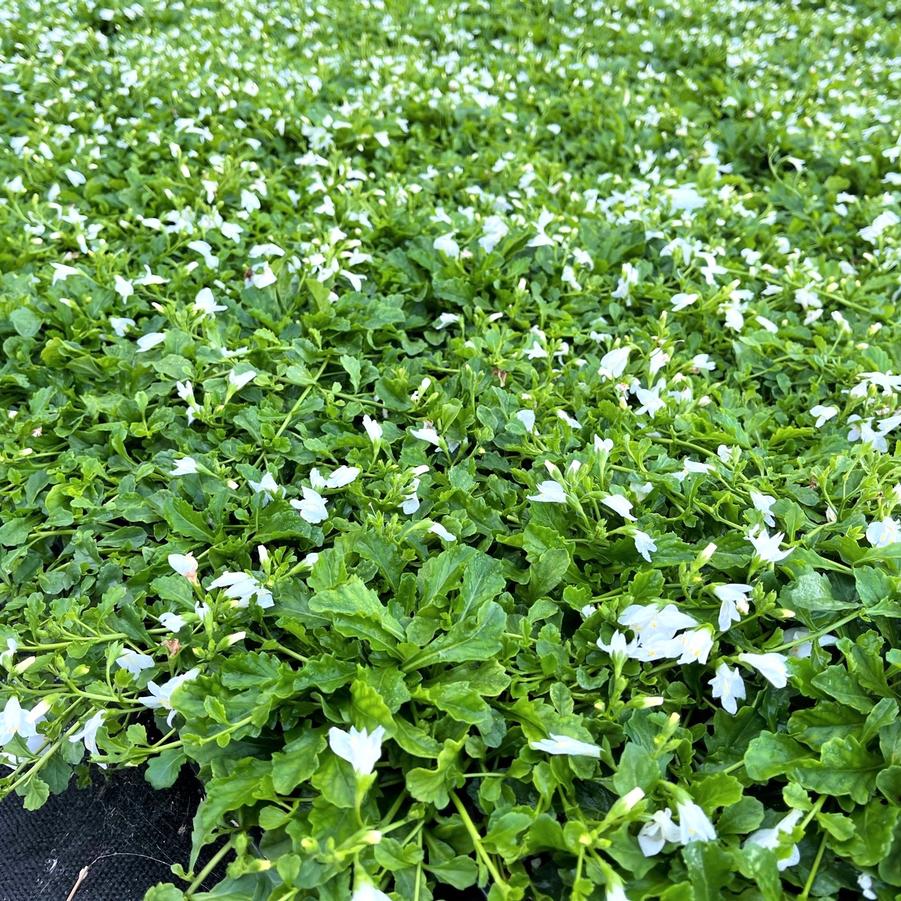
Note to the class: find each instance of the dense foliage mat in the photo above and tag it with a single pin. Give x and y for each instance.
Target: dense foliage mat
(466, 434)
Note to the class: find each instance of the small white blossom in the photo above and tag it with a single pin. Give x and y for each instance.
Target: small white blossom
(527, 418)
(563, 744)
(767, 546)
(186, 466)
(172, 621)
(733, 600)
(373, 429)
(88, 733)
(823, 414)
(267, 486)
(360, 748)
(120, 325)
(657, 832)
(694, 826)
(312, 506)
(613, 363)
(728, 686)
(149, 341)
(161, 695)
(123, 287)
(447, 245)
(772, 839)
(134, 662)
(185, 565)
(644, 544)
(619, 504)
(437, 529)
(549, 492)
(772, 666)
(239, 379)
(206, 304)
(763, 503)
(884, 532)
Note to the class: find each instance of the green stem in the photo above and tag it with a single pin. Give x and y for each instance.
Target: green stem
(808, 885)
(211, 865)
(477, 841)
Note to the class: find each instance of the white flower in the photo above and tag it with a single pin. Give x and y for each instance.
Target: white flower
(148, 278)
(563, 744)
(360, 748)
(161, 695)
(763, 503)
(439, 530)
(883, 221)
(767, 546)
(342, 476)
(366, 891)
(134, 662)
(15, 720)
(427, 434)
(527, 418)
(805, 649)
(681, 301)
(693, 824)
(569, 420)
(652, 619)
(123, 287)
(262, 276)
(121, 324)
(618, 646)
(657, 832)
(772, 666)
(733, 600)
(619, 504)
(312, 507)
(88, 733)
(447, 245)
(602, 445)
(696, 645)
(61, 272)
(650, 401)
(884, 532)
(495, 230)
(206, 304)
(703, 361)
(267, 486)
(823, 414)
(536, 351)
(644, 544)
(239, 379)
(185, 565)
(613, 363)
(373, 429)
(728, 686)
(549, 492)
(444, 320)
(172, 621)
(865, 883)
(772, 838)
(186, 466)
(242, 588)
(150, 340)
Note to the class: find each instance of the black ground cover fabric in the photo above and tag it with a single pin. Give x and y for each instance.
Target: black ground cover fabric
(124, 831)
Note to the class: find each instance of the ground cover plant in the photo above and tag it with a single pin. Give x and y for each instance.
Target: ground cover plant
(466, 434)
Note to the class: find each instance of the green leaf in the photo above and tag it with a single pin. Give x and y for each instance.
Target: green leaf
(163, 770)
(812, 591)
(771, 754)
(297, 762)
